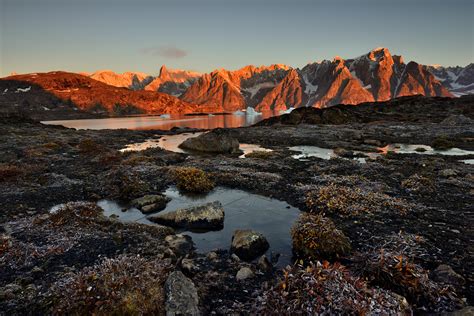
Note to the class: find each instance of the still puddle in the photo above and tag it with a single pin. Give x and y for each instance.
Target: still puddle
(422, 150)
(172, 142)
(327, 153)
(243, 210)
(312, 151)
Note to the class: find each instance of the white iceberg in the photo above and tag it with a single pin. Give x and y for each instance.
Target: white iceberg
(287, 111)
(239, 113)
(251, 111)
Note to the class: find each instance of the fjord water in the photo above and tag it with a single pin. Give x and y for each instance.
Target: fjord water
(165, 122)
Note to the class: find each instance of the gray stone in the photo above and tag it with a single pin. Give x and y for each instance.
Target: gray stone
(244, 273)
(264, 264)
(188, 266)
(454, 119)
(208, 216)
(445, 274)
(448, 173)
(151, 203)
(181, 295)
(179, 244)
(341, 152)
(466, 311)
(248, 244)
(212, 256)
(216, 141)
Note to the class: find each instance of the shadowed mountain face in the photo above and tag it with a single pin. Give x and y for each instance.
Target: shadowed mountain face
(73, 92)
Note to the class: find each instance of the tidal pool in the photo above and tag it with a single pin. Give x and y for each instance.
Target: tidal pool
(312, 151)
(243, 210)
(327, 153)
(422, 150)
(172, 142)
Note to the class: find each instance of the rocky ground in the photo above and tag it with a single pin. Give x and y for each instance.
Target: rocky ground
(407, 219)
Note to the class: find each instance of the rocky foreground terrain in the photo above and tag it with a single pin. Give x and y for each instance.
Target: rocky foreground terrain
(392, 235)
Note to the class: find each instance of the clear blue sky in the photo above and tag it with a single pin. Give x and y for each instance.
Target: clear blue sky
(134, 35)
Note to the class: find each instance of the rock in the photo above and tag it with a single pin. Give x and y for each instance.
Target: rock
(151, 203)
(181, 295)
(248, 244)
(179, 244)
(234, 257)
(460, 119)
(244, 273)
(216, 141)
(208, 216)
(372, 142)
(341, 152)
(445, 274)
(264, 264)
(466, 311)
(188, 266)
(212, 256)
(448, 173)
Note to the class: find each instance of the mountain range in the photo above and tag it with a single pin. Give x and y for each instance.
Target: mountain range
(375, 76)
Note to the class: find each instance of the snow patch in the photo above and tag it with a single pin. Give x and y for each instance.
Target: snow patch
(253, 90)
(310, 88)
(239, 112)
(23, 89)
(251, 112)
(287, 111)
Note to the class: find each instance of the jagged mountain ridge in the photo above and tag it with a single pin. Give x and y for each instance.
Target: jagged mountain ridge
(375, 76)
(459, 80)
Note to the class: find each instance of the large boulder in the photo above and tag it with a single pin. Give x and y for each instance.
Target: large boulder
(181, 295)
(248, 244)
(209, 216)
(216, 141)
(151, 203)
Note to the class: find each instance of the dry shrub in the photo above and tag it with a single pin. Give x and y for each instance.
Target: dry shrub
(191, 179)
(350, 201)
(260, 154)
(317, 237)
(391, 265)
(79, 212)
(127, 285)
(9, 172)
(418, 184)
(327, 290)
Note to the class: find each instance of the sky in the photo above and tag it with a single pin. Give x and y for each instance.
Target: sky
(141, 35)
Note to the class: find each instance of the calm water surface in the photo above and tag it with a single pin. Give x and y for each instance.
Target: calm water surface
(243, 210)
(166, 122)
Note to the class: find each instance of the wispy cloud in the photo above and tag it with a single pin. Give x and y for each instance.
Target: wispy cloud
(165, 51)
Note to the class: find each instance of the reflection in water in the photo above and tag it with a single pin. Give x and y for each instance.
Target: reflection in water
(243, 210)
(422, 150)
(172, 142)
(165, 122)
(168, 142)
(312, 151)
